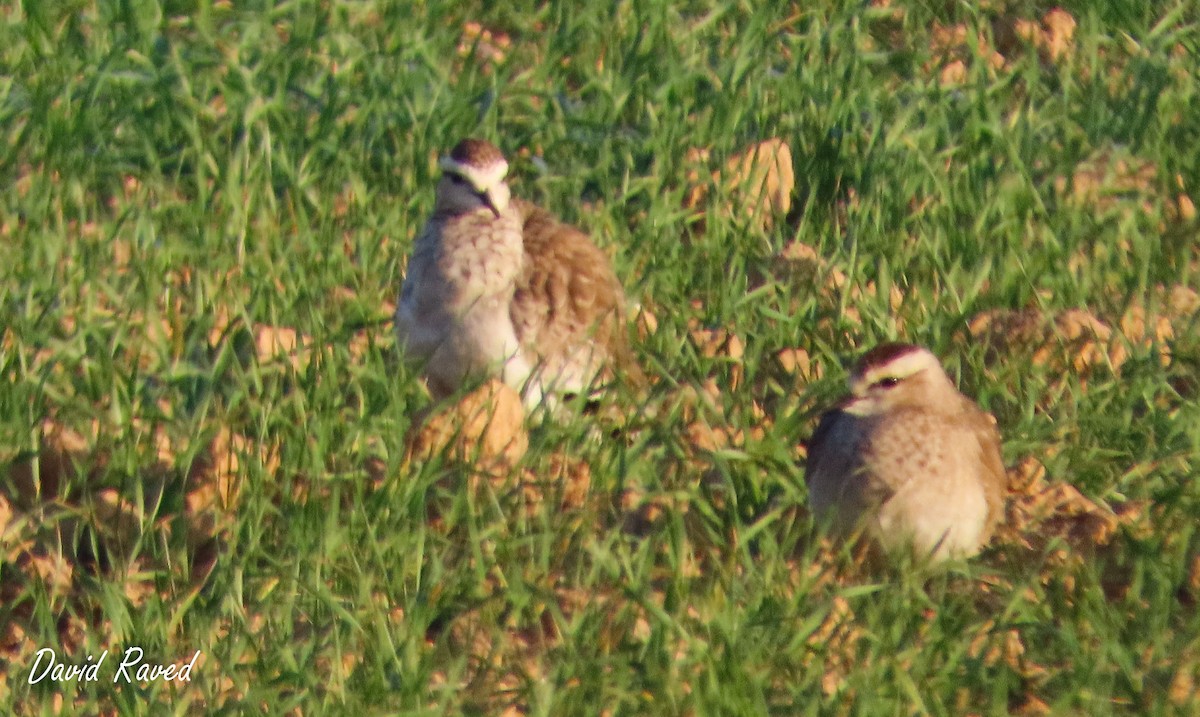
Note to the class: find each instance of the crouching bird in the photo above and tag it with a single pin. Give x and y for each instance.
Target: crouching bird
(907, 459)
(498, 287)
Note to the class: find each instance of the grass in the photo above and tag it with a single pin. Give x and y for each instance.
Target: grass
(179, 176)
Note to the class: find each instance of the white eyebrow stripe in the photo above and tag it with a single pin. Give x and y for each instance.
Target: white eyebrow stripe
(481, 178)
(901, 366)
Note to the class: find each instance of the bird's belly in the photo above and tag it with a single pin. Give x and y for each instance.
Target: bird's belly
(939, 516)
(476, 341)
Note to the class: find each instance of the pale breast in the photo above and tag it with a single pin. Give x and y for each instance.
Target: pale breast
(453, 307)
(931, 465)
(913, 476)
(478, 256)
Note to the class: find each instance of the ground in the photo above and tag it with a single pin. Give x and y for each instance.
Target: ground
(209, 442)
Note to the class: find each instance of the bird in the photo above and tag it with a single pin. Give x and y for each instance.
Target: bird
(499, 287)
(907, 459)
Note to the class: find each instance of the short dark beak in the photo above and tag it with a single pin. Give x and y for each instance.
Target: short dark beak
(487, 200)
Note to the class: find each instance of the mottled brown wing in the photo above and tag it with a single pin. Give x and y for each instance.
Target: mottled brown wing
(568, 294)
(836, 476)
(995, 477)
(817, 445)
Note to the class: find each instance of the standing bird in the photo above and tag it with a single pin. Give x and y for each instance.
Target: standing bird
(907, 458)
(499, 287)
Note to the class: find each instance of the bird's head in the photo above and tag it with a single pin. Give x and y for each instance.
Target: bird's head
(473, 178)
(892, 376)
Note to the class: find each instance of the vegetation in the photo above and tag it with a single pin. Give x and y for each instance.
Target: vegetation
(206, 431)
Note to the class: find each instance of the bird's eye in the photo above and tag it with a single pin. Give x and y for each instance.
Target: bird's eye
(888, 382)
(456, 179)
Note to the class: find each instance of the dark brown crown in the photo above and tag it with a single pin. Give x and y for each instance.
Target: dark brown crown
(476, 153)
(883, 354)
